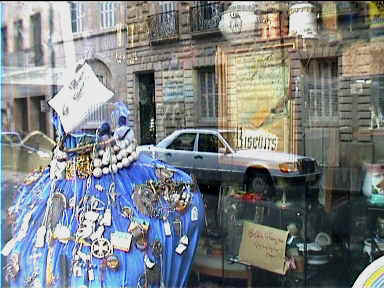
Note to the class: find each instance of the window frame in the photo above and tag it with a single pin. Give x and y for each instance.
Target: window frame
(77, 8)
(107, 15)
(169, 146)
(205, 116)
(321, 91)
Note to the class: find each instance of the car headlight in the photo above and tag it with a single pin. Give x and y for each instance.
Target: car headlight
(288, 167)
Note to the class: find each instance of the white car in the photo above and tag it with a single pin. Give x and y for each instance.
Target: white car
(212, 157)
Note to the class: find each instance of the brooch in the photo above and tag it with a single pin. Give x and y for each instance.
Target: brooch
(33, 176)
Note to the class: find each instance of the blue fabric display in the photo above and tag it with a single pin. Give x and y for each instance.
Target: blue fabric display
(66, 207)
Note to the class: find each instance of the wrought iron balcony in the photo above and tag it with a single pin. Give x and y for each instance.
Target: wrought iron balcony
(163, 26)
(206, 18)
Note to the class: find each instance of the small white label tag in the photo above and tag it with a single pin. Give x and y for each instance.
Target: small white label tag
(107, 221)
(194, 214)
(40, 237)
(91, 275)
(8, 247)
(167, 228)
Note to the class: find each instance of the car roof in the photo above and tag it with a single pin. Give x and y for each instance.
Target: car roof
(203, 130)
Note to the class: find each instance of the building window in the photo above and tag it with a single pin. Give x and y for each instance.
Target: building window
(208, 94)
(36, 39)
(19, 35)
(77, 17)
(322, 89)
(165, 8)
(107, 15)
(18, 59)
(4, 47)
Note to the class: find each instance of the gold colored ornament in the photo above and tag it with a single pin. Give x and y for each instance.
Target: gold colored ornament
(113, 262)
(70, 170)
(84, 165)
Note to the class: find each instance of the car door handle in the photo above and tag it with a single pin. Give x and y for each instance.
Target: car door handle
(198, 157)
(168, 154)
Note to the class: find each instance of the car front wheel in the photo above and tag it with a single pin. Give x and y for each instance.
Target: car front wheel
(259, 183)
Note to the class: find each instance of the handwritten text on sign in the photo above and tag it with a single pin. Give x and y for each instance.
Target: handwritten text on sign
(264, 247)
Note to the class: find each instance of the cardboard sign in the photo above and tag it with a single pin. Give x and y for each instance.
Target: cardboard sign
(263, 247)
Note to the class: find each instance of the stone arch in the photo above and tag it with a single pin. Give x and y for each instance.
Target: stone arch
(102, 71)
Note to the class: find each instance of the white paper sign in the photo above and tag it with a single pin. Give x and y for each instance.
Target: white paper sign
(79, 98)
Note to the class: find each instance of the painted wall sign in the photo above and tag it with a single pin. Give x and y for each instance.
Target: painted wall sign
(258, 96)
(257, 140)
(262, 83)
(177, 85)
(376, 14)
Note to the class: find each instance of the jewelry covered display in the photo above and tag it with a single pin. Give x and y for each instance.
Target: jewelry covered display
(101, 215)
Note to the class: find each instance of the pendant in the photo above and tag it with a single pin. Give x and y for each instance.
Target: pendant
(167, 228)
(91, 274)
(194, 214)
(148, 263)
(101, 248)
(40, 237)
(113, 262)
(177, 225)
(183, 245)
(62, 233)
(107, 220)
(153, 275)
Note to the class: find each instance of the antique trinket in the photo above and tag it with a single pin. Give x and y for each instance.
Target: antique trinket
(194, 214)
(12, 268)
(112, 262)
(177, 226)
(121, 240)
(101, 248)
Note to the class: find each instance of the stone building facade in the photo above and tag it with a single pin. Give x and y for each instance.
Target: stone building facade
(321, 106)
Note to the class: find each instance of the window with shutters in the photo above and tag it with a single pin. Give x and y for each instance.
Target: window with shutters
(77, 17)
(4, 47)
(322, 102)
(36, 39)
(19, 43)
(208, 94)
(19, 35)
(108, 18)
(166, 7)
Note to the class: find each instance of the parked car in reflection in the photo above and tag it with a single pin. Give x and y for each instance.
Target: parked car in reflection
(211, 155)
(25, 155)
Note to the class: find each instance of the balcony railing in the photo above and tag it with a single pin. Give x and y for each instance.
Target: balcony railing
(206, 18)
(163, 26)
